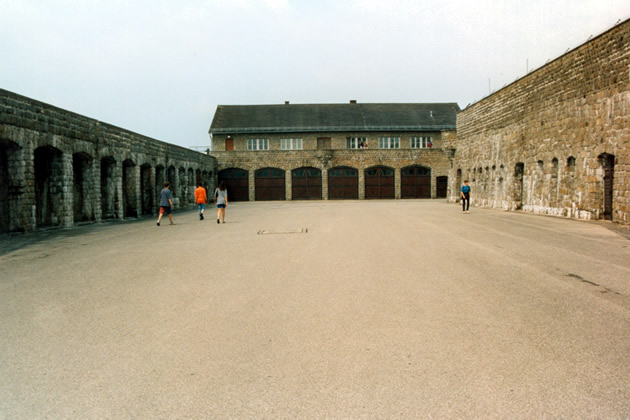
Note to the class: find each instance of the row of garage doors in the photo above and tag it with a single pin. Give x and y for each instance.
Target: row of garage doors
(343, 183)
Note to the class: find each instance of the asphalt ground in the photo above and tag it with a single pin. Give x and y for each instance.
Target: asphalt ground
(328, 309)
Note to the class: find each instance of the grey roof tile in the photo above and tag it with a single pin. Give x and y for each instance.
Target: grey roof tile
(234, 119)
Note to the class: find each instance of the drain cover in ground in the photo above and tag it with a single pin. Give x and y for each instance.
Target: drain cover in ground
(281, 232)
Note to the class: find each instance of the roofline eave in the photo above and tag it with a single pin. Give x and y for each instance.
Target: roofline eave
(250, 130)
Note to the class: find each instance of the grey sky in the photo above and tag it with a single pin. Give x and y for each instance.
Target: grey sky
(160, 67)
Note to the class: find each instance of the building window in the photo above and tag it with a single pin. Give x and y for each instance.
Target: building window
(291, 144)
(356, 142)
(421, 142)
(389, 142)
(257, 144)
(323, 143)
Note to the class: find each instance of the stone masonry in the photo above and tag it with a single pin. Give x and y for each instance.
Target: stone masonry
(556, 141)
(58, 168)
(435, 158)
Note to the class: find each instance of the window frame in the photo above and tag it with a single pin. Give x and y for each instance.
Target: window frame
(389, 142)
(324, 143)
(421, 142)
(291, 144)
(353, 143)
(258, 144)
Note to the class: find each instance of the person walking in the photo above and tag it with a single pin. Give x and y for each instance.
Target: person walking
(201, 199)
(166, 204)
(465, 197)
(221, 196)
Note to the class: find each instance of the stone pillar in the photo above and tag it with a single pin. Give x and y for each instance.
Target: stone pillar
(288, 185)
(397, 183)
(66, 178)
(137, 174)
(155, 205)
(325, 184)
(176, 188)
(361, 184)
(118, 194)
(96, 187)
(29, 206)
(252, 185)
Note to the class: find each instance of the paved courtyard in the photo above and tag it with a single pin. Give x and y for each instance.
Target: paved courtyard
(355, 309)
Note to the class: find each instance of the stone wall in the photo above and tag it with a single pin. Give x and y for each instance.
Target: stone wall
(556, 141)
(58, 168)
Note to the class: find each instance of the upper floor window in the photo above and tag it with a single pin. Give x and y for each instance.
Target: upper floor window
(421, 142)
(389, 142)
(257, 144)
(291, 144)
(356, 142)
(323, 143)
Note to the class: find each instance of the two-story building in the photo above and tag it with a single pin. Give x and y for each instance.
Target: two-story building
(333, 151)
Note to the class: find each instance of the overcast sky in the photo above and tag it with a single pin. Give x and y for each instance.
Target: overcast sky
(160, 68)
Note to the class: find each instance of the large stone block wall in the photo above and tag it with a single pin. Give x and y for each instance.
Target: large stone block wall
(542, 144)
(438, 160)
(58, 168)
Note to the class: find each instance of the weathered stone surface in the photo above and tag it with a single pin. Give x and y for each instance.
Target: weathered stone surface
(561, 123)
(58, 168)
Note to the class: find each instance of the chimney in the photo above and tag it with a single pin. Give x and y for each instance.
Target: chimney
(286, 102)
(353, 101)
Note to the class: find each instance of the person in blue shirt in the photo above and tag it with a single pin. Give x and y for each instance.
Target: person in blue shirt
(465, 197)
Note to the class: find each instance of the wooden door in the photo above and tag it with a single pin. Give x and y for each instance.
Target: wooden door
(306, 184)
(343, 183)
(379, 183)
(237, 183)
(415, 182)
(270, 184)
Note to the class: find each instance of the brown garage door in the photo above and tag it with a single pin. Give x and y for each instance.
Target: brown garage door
(306, 184)
(237, 183)
(379, 182)
(441, 186)
(270, 184)
(415, 182)
(343, 183)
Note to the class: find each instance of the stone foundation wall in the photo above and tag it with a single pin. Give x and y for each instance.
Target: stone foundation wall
(542, 143)
(58, 168)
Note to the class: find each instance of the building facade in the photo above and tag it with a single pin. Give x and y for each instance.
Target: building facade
(333, 151)
(556, 141)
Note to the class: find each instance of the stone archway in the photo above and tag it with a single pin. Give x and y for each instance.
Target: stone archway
(519, 171)
(48, 186)
(108, 187)
(608, 165)
(146, 189)
(130, 186)
(11, 184)
(82, 174)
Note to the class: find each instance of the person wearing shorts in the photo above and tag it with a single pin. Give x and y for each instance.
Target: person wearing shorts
(166, 204)
(222, 201)
(201, 199)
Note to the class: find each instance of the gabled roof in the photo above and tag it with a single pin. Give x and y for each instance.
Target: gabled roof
(235, 119)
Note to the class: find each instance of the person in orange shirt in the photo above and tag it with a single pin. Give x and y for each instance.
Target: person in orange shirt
(201, 198)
